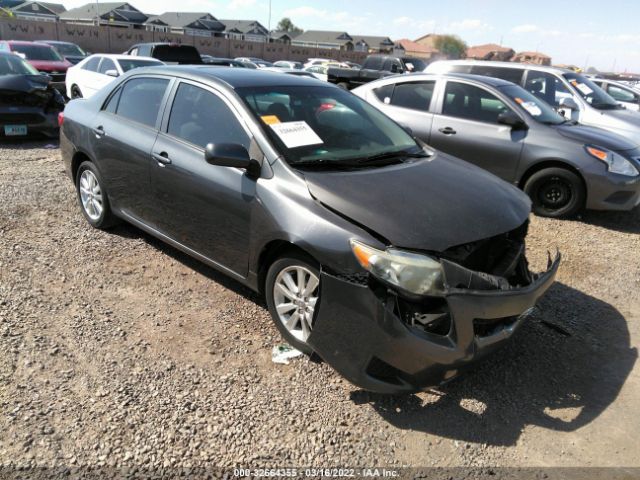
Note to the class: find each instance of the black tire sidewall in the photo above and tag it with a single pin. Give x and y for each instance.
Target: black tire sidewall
(106, 217)
(276, 267)
(538, 179)
(74, 89)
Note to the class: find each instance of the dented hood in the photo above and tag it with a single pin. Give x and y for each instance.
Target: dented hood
(24, 83)
(431, 204)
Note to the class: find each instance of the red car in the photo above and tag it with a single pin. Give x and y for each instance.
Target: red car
(43, 57)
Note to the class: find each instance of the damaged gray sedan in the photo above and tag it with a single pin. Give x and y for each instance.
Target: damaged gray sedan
(397, 264)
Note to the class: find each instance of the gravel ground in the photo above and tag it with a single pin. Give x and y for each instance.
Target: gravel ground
(119, 351)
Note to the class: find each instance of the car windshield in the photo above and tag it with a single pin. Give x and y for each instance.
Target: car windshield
(37, 52)
(537, 109)
(414, 64)
(592, 93)
(318, 125)
(128, 64)
(70, 50)
(14, 65)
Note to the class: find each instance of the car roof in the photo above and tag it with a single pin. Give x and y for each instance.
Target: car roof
(412, 77)
(513, 65)
(232, 77)
(57, 42)
(120, 56)
(26, 42)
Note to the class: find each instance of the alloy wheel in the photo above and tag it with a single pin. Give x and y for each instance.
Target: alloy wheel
(295, 293)
(91, 195)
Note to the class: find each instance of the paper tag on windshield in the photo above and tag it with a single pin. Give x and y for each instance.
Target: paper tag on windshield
(296, 134)
(582, 87)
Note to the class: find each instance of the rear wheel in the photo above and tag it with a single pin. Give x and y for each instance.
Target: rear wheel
(343, 85)
(93, 198)
(75, 92)
(555, 192)
(292, 292)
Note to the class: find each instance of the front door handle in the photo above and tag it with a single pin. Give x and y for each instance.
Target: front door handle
(447, 131)
(162, 158)
(99, 131)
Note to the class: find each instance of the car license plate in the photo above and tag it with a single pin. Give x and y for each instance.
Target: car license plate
(15, 130)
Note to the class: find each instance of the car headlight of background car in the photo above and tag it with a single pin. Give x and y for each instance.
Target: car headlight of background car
(415, 273)
(616, 163)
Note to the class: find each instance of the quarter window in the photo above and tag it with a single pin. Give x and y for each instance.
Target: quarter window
(92, 64)
(509, 74)
(112, 103)
(141, 98)
(473, 103)
(413, 95)
(384, 93)
(201, 117)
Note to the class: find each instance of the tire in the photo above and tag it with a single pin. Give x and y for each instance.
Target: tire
(343, 85)
(92, 197)
(75, 92)
(555, 192)
(293, 264)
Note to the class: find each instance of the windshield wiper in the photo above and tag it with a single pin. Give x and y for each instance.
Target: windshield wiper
(324, 164)
(397, 154)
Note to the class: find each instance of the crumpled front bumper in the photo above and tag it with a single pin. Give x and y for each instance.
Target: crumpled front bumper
(362, 336)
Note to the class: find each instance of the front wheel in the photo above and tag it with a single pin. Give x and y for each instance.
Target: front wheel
(555, 192)
(292, 292)
(75, 92)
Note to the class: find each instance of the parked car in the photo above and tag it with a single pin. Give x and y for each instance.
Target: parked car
(223, 62)
(43, 57)
(288, 64)
(318, 71)
(28, 102)
(316, 61)
(70, 51)
(172, 53)
(254, 62)
(373, 68)
(97, 71)
(573, 94)
(353, 65)
(625, 95)
(499, 126)
(397, 264)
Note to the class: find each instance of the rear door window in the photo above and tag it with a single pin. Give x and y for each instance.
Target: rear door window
(384, 93)
(472, 103)
(509, 74)
(141, 98)
(199, 117)
(413, 95)
(372, 63)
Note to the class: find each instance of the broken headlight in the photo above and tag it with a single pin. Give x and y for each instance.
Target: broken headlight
(616, 163)
(415, 273)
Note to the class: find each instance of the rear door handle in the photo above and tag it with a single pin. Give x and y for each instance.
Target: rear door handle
(99, 131)
(162, 158)
(447, 131)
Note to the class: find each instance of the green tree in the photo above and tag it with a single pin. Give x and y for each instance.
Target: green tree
(286, 25)
(451, 45)
(6, 13)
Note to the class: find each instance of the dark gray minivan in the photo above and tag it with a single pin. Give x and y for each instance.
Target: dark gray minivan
(501, 127)
(398, 265)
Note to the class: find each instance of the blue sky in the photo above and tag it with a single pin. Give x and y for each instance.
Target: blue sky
(597, 33)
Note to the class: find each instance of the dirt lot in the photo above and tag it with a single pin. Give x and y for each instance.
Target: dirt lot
(117, 350)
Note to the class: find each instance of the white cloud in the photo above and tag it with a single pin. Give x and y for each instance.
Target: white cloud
(341, 20)
(240, 4)
(526, 28)
(305, 11)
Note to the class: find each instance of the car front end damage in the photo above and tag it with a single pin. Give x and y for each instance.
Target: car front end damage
(385, 339)
(28, 104)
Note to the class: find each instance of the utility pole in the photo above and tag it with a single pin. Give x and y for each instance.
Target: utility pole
(269, 24)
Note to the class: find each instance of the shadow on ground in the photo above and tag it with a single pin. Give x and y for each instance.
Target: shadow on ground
(626, 222)
(561, 371)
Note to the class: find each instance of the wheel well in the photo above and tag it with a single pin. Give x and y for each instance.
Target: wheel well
(270, 253)
(550, 164)
(77, 160)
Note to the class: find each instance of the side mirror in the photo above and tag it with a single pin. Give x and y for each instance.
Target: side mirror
(568, 102)
(509, 117)
(112, 73)
(231, 155)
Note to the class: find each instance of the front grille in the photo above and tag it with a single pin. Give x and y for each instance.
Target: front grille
(21, 118)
